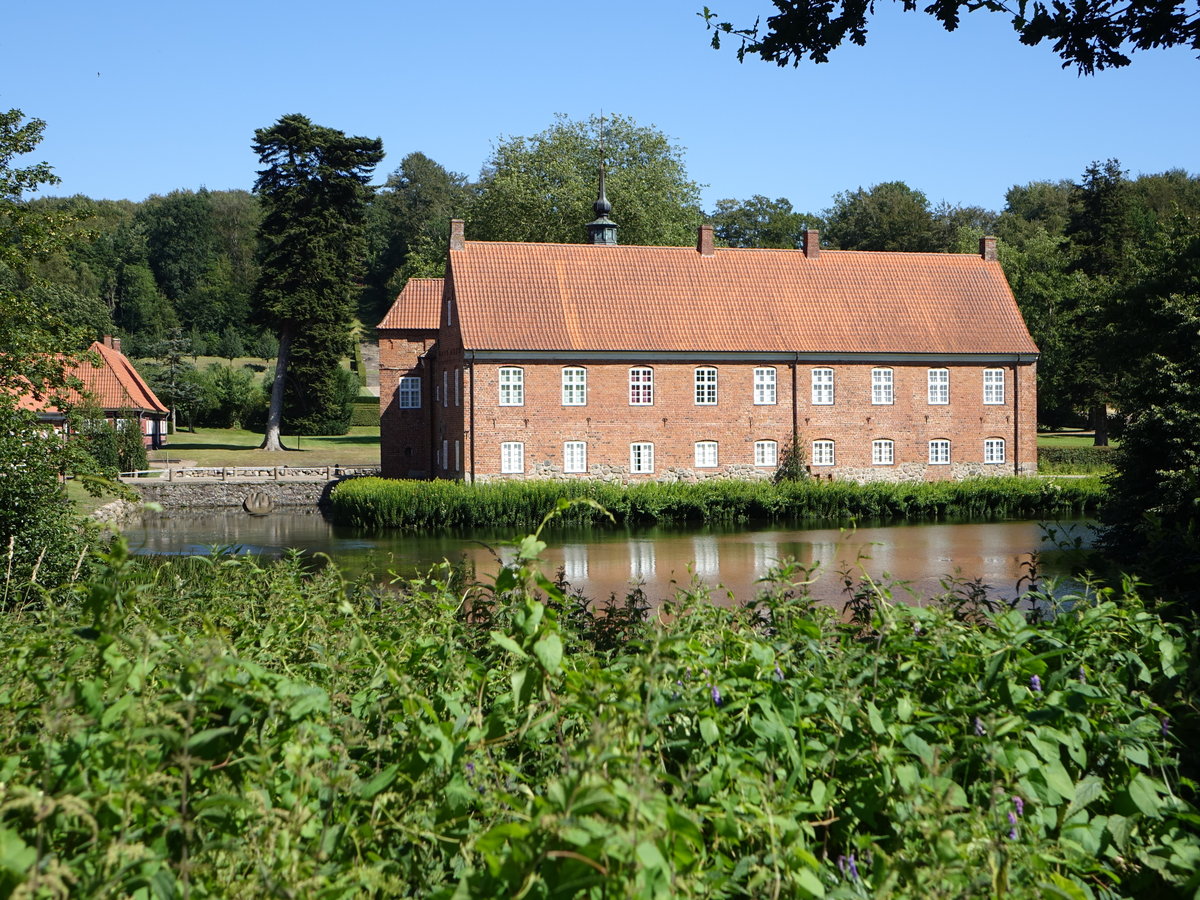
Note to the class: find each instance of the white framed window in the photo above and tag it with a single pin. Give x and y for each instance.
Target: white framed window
(822, 387)
(939, 452)
(822, 453)
(641, 458)
(993, 386)
(408, 393)
(939, 387)
(706, 386)
(512, 458)
(457, 382)
(993, 451)
(574, 386)
(575, 456)
(883, 453)
(641, 386)
(706, 454)
(766, 453)
(764, 386)
(881, 387)
(512, 386)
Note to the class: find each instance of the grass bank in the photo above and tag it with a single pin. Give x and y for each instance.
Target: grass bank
(223, 728)
(236, 447)
(427, 505)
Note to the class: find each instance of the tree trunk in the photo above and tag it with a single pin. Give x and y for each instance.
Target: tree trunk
(1100, 424)
(275, 412)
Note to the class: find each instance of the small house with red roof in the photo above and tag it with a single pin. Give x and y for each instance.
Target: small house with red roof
(115, 387)
(684, 363)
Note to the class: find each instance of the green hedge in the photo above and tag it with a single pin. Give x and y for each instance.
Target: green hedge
(425, 505)
(1075, 460)
(364, 411)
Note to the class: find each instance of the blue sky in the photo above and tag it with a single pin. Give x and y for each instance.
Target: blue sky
(146, 97)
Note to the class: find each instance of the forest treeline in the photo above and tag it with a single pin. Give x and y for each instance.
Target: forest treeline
(184, 265)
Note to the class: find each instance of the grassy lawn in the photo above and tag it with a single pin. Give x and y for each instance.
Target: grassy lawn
(229, 447)
(1068, 439)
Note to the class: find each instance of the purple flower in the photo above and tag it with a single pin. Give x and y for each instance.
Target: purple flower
(1082, 676)
(1012, 818)
(716, 696)
(470, 770)
(1012, 833)
(980, 731)
(847, 867)
(778, 674)
(1165, 726)
(916, 627)
(1035, 684)
(1019, 804)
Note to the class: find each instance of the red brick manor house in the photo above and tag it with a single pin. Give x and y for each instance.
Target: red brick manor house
(682, 363)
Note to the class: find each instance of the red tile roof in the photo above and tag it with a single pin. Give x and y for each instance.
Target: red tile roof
(113, 385)
(517, 296)
(417, 306)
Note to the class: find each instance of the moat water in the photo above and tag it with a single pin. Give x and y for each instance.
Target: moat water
(918, 559)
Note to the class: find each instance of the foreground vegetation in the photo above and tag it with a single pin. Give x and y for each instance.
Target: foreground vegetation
(224, 728)
(387, 503)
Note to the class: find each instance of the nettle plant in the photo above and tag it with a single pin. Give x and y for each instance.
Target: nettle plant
(224, 727)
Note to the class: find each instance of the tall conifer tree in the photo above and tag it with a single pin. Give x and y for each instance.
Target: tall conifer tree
(313, 187)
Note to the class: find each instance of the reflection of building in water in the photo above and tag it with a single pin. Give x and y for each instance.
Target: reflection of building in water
(766, 555)
(707, 556)
(641, 560)
(575, 562)
(823, 554)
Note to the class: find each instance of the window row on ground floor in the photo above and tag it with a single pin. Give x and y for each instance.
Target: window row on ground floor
(707, 455)
(511, 387)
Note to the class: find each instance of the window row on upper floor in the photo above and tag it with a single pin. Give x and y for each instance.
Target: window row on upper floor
(511, 387)
(707, 454)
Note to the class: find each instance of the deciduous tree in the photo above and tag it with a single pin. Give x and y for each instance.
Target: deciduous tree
(542, 188)
(408, 227)
(761, 222)
(1089, 35)
(888, 216)
(313, 188)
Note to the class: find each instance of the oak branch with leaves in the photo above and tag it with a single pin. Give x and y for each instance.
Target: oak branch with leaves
(1089, 34)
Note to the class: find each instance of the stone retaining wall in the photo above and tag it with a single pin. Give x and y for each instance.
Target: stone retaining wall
(233, 494)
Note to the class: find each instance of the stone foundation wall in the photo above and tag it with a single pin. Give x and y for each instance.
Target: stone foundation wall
(233, 494)
(862, 475)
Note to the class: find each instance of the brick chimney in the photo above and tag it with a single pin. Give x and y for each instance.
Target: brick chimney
(704, 240)
(457, 240)
(116, 344)
(812, 243)
(987, 248)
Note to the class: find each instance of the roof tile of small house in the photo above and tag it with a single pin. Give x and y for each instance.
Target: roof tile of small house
(519, 296)
(418, 306)
(113, 385)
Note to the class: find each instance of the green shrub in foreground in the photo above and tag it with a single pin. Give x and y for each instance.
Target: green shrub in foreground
(424, 505)
(221, 728)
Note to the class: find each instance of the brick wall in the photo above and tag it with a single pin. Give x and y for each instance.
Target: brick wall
(609, 424)
(404, 435)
